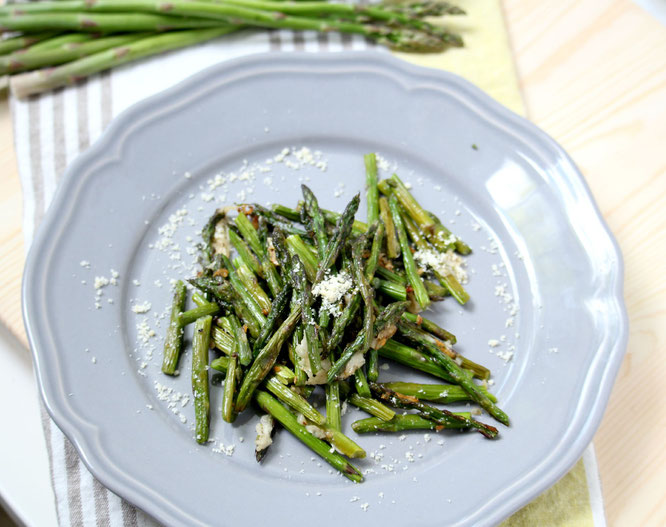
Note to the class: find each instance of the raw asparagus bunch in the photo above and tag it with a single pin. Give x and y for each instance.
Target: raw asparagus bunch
(63, 41)
(314, 298)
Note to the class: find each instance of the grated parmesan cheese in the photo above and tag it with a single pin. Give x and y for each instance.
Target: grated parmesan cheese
(264, 428)
(331, 290)
(141, 308)
(444, 263)
(302, 351)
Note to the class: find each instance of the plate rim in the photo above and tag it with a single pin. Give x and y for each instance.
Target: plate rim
(56, 403)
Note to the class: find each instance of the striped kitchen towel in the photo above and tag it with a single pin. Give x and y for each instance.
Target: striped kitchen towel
(52, 129)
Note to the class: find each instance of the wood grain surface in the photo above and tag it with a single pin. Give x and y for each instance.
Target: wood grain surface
(593, 74)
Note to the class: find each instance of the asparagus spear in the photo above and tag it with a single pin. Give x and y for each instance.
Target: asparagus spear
(366, 291)
(371, 185)
(307, 314)
(200, 345)
(223, 341)
(453, 286)
(228, 413)
(375, 252)
(250, 235)
(266, 358)
(372, 406)
(414, 333)
(400, 423)
(12, 44)
(385, 323)
(408, 260)
(318, 221)
(57, 40)
(361, 383)
(333, 411)
(191, 315)
(337, 439)
(414, 359)
(437, 393)
(291, 398)
(279, 412)
(392, 243)
(173, 341)
(430, 327)
(249, 280)
(243, 294)
(15, 20)
(32, 59)
(390, 289)
(297, 247)
(242, 345)
(40, 81)
(442, 417)
(340, 234)
(462, 379)
(245, 253)
(278, 306)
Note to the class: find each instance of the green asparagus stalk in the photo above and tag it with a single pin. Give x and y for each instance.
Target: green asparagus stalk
(251, 283)
(417, 237)
(251, 236)
(444, 239)
(216, 287)
(392, 243)
(391, 276)
(333, 410)
(365, 290)
(375, 251)
(220, 364)
(358, 227)
(307, 314)
(371, 185)
(223, 341)
(243, 294)
(400, 423)
(453, 286)
(292, 399)
(341, 232)
(430, 327)
(414, 359)
(372, 406)
(385, 324)
(228, 413)
(32, 59)
(390, 289)
(245, 253)
(436, 393)
(278, 306)
(192, 315)
(279, 412)
(40, 81)
(298, 247)
(242, 344)
(339, 441)
(15, 20)
(442, 417)
(266, 358)
(462, 379)
(318, 222)
(361, 383)
(408, 260)
(200, 345)
(173, 342)
(59, 40)
(9, 45)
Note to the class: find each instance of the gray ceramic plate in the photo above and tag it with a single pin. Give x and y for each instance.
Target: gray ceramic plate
(545, 278)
